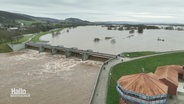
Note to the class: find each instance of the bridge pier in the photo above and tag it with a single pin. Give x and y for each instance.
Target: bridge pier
(68, 53)
(85, 56)
(26, 46)
(53, 50)
(41, 49)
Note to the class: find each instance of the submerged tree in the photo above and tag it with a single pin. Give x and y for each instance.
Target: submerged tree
(120, 28)
(96, 40)
(107, 38)
(131, 31)
(140, 29)
(113, 41)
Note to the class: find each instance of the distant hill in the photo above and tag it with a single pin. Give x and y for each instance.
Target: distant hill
(13, 18)
(77, 21)
(10, 18)
(7, 17)
(48, 19)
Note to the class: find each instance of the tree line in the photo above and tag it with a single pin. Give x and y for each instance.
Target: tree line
(7, 35)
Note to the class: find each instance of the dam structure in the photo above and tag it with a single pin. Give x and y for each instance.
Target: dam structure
(70, 52)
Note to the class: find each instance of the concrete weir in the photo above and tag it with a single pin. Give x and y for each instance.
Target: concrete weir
(68, 52)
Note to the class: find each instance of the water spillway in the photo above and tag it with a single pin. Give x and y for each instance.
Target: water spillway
(84, 54)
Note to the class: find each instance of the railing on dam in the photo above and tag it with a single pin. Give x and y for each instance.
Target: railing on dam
(98, 78)
(84, 53)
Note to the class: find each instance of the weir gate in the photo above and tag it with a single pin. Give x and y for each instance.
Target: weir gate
(70, 52)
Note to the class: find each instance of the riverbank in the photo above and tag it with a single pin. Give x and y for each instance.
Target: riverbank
(25, 38)
(4, 48)
(38, 35)
(138, 54)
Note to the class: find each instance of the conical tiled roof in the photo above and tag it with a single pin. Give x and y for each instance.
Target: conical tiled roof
(147, 84)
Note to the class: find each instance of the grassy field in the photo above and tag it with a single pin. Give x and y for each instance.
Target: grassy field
(28, 23)
(22, 39)
(37, 36)
(4, 48)
(132, 67)
(138, 54)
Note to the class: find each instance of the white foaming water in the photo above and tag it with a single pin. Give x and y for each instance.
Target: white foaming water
(31, 54)
(55, 63)
(64, 64)
(37, 73)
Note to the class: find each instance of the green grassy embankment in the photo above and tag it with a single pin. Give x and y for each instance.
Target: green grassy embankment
(38, 35)
(132, 67)
(138, 54)
(4, 48)
(21, 40)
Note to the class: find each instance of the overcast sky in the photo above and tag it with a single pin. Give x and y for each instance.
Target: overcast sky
(171, 11)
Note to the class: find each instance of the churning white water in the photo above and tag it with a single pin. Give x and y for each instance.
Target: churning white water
(50, 79)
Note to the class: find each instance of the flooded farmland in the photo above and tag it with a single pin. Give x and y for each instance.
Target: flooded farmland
(49, 79)
(100, 39)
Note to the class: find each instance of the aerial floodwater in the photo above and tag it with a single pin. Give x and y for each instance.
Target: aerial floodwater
(50, 79)
(115, 41)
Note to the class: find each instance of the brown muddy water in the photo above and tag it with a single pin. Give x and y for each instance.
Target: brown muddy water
(50, 79)
(82, 37)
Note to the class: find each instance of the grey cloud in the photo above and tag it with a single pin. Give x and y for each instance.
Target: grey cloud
(98, 10)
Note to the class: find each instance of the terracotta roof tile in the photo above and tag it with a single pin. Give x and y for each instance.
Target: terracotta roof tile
(169, 72)
(147, 84)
